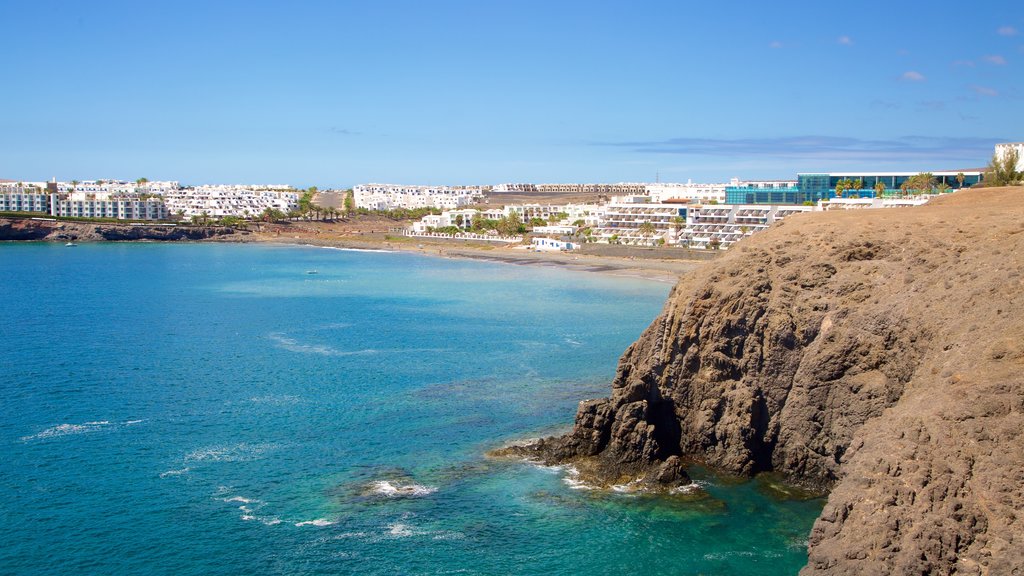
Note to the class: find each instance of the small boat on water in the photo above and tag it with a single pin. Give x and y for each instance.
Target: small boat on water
(311, 272)
(71, 244)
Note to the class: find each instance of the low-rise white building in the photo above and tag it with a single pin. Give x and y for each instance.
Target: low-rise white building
(122, 208)
(394, 196)
(718, 226)
(230, 200)
(1003, 149)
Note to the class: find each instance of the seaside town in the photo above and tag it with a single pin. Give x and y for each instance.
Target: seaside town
(699, 216)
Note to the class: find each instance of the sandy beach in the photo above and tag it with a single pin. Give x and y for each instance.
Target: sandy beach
(646, 264)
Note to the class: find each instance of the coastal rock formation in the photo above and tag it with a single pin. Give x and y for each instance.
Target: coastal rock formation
(64, 231)
(876, 354)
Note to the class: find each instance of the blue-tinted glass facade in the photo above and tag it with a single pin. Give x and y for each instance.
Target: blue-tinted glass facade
(743, 195)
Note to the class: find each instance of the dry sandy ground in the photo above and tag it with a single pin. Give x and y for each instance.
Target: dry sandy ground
(370, 234)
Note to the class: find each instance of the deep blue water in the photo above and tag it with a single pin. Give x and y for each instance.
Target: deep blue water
(215, 409)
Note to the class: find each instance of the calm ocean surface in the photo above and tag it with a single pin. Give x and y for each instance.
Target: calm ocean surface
(214, 409)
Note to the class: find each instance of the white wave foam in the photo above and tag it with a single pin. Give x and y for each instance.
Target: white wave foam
(317, 522)
(276, 399)
(174, 472)
(248, 517)
(243, 452)
(341, 249)
(394, 490)
(400, 530)
(66, 430)
(131, 422)
(293, 345)
(685, 489)
(241, 499)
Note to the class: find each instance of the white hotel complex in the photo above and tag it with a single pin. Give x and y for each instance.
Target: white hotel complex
(395, 196)
(231, 200)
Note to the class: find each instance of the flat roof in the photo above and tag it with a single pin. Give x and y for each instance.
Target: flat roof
(868, 173)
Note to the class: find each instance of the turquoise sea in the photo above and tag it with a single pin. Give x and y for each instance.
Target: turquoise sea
(216, 409)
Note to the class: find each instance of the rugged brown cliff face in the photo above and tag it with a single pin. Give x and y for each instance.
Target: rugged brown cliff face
(63, 231)
(877, 354)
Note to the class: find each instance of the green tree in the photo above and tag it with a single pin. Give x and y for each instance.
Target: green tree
(511, 224)
(647, 230)
(879, 189)
(960, 179)
(1002, 170)
(350, 201)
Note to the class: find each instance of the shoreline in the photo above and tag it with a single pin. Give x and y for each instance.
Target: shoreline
(660, 270)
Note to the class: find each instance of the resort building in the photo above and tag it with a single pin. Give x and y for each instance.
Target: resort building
(719, 226)
(514, 188)
(393, 196)
(121, 208)
(552, 245)
(220, 200)
(1003, 149)
(23, 199)
(762, 192)
(698, 193)
(622, 188)
(637, 220)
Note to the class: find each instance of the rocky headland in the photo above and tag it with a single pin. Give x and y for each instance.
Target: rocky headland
(22, 229)
(876, 355)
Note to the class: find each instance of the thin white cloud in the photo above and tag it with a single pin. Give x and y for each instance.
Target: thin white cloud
(912, 76)
(775, 44)
(845, 40)
(995, 59)
(831, 148)
(1007, 31)
(985, 91)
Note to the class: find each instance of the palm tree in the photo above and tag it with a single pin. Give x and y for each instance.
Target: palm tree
(960, 179)
(647, 230)
(879, 189)
(840, 186)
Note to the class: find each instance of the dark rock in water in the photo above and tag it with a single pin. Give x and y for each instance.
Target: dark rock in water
(875, 354)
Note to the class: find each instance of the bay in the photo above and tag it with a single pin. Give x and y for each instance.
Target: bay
(220, 409)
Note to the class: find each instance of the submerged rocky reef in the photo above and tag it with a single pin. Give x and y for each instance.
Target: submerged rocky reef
(876, 355)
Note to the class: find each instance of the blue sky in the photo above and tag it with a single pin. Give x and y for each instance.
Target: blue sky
(443, 92)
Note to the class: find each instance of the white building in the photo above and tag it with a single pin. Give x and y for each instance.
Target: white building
(394, 196)
(698, 193)
(1003, 149)
(230, 200)
(624, 218)
(510, 187)
(709, 226)
(122, 208)
(23, 199)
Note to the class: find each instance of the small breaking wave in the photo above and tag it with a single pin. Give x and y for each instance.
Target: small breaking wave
(73, 429)
(318, 522)
(66, 430)
(178, 472)
(293, 345)
(390, 489)
(243, 452)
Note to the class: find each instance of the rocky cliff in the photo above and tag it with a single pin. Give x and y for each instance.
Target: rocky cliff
(64, 231)
(874, 354)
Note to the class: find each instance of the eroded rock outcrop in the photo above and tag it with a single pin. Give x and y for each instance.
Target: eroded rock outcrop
(64, 231)
(876, 354)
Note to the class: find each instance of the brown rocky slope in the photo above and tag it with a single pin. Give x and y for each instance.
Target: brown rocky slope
(876, 354)
(43, 229)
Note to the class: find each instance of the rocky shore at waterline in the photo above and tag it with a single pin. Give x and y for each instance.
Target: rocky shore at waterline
(46, 230)
(876, 355)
